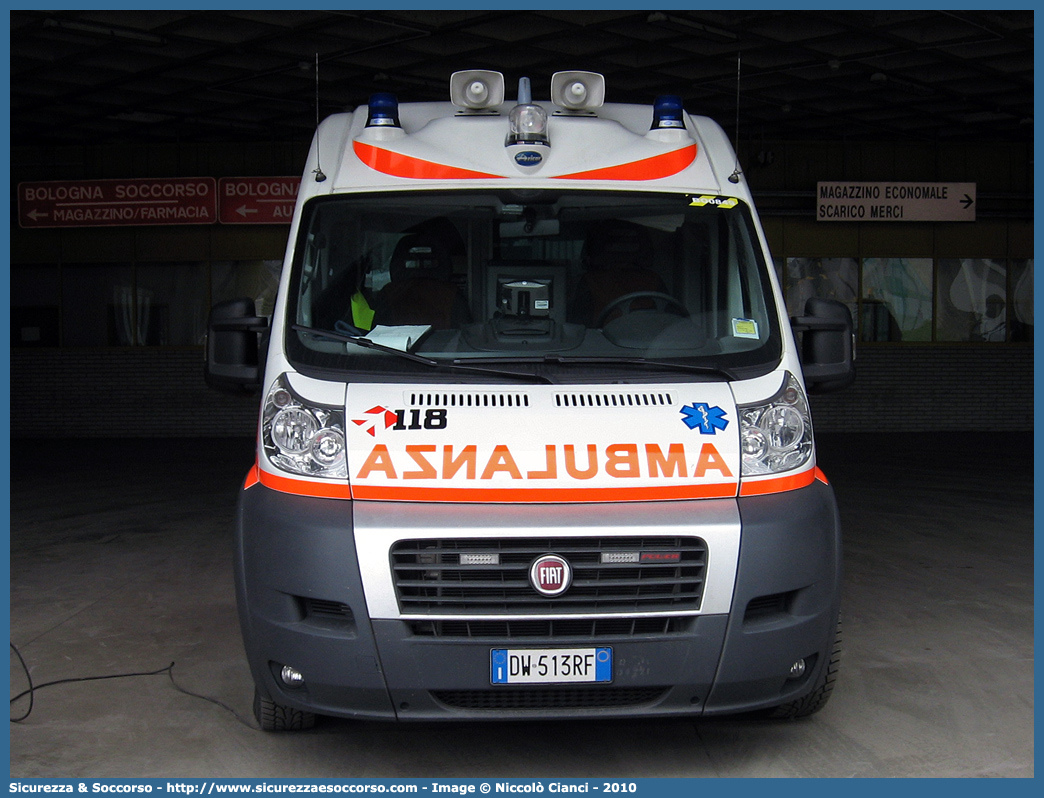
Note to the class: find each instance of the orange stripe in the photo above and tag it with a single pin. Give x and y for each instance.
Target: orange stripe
(398, 165)
(302, 487)
(252, 477)
(777, 484)
(670, 163)
(338, 490)
(543, 495)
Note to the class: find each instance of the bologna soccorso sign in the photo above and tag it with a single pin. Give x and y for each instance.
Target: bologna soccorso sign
(157, 201)
(117, 203)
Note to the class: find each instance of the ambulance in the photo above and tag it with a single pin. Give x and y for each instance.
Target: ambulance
(534, 437)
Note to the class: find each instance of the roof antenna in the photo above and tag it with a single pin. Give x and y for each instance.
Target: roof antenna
(735, 176)
(320, 175)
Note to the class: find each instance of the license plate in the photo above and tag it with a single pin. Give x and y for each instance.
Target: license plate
(550, 665)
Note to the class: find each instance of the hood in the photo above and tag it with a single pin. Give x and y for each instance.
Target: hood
(542, 443)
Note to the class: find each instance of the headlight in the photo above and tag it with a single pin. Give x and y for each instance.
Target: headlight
(327, 447)
(777, 434)
(301, 437)
(293, 429)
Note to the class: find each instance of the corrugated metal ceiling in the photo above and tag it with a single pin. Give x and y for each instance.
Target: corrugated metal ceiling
(135, 76)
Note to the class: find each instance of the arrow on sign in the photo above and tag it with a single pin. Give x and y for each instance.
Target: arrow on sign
(36, 215)
(243, 210)
(967, 202)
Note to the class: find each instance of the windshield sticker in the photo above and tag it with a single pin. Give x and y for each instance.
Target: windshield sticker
(708, 420)
(719, 202)
(745, 328)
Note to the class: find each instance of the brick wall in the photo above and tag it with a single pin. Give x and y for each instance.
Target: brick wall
(121, 393)
(933, 388)
(139, 393)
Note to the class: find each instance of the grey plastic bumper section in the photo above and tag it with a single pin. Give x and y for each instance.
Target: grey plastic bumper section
(302, 603)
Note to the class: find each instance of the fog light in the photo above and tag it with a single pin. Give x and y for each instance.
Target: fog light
(797, 670)
(291, 677)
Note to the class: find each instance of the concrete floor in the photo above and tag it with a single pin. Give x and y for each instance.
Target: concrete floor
(120, 562)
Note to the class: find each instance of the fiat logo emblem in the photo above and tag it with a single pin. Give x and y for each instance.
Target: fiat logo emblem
(550, 575)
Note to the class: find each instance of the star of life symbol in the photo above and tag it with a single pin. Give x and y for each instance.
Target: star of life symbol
(708, 420)
(374, 417)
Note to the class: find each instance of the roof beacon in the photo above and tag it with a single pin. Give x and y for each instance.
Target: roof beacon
(384, 110)
(577, 91)
(667, 112)
(527, 122)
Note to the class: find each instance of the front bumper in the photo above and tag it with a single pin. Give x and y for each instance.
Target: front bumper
(311, 596)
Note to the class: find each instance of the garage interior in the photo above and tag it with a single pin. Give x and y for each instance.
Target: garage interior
(125, 466)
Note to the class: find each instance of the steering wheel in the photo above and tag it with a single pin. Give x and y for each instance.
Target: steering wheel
(661, 302)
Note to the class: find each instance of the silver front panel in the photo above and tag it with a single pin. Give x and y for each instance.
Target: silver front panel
(379, 525)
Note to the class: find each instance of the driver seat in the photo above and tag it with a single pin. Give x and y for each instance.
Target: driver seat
(617, 258)
(421, 290)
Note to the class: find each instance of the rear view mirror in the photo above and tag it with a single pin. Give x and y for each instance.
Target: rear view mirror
(541, 227)
(232, 348)
(827, 345)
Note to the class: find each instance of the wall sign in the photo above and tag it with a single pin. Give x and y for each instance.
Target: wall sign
(117, 203)
(257, 200)
(850, 201)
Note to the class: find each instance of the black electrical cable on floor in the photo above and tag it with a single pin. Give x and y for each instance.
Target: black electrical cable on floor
(222, 704)
(169, 670)
(31, 690)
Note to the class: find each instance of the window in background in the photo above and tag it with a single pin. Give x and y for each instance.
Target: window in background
(826, 278)
(1021, 309)
(257, 279)
(35, 299)
(172, 304)
(98, 305)
(972, 303)
(896, 299)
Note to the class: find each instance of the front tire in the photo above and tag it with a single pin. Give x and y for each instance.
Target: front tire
(271, 716)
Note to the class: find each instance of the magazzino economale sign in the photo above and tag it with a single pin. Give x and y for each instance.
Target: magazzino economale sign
(852, 201)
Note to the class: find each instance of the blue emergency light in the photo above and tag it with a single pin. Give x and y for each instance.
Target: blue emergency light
(667, 112)
(383, 110)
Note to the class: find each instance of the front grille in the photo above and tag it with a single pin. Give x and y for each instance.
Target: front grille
(550, 698)
(429, 578)
(563, 627)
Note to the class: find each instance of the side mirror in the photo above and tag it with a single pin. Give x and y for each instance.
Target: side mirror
(827, 345)
(233, 362)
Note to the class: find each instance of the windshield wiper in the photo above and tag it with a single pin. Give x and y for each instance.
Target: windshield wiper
(359, 340)
(564, 360)
(366, 343)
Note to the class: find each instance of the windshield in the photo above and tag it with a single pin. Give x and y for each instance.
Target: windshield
(536, 280)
